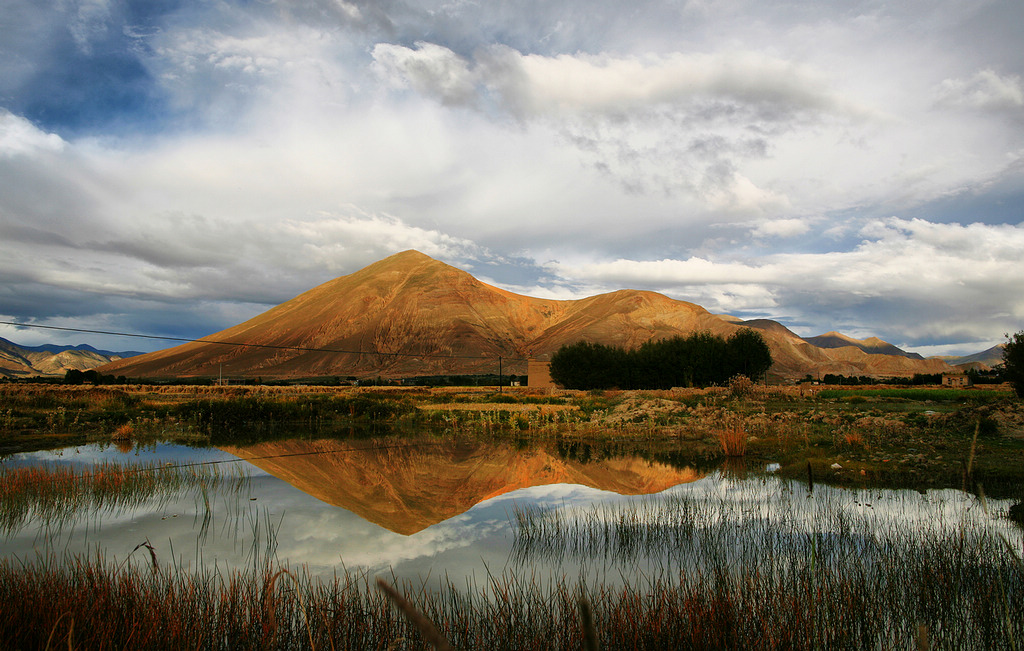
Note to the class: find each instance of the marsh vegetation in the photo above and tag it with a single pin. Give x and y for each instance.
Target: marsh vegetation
(49, 496)
(802, 569)
(783, 561)
(763, 565)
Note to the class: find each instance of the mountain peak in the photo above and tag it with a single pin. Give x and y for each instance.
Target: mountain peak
(835, 335)
(871, 345)
(50, 359)
(410, 314)
(406, 265)
(405, 259)
(409, 256)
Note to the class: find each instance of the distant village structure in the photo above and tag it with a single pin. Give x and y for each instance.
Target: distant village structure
(956, 380)
(539, 374)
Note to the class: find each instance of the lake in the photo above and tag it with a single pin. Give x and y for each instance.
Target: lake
(460, 511)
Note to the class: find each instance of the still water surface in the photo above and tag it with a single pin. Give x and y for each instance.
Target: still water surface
(446, 510)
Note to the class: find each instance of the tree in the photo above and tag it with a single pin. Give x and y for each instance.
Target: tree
(586, 365)
(699, 359)
(749, 354)
(73, 376)
(1013, 362)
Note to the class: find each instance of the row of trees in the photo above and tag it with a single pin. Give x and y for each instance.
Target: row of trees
(700, 359)
(1013, 362)
(993, 376)
(91, 376)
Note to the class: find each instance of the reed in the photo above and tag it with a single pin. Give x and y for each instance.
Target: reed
(52, 495)
(803, 571)
(732, 435)
(415, 617)
(829, 604)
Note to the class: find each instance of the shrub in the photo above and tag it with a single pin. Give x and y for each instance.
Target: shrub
(740, 385)
(1013, 362)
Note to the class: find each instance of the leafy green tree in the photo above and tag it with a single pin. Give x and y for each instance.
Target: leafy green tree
(1013, 362)
(748, 354)
(708, 358)
(73, 376)
(664, 364)
(586, 365)
(699, 359)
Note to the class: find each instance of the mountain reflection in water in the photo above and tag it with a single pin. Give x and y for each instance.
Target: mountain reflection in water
(406, 486)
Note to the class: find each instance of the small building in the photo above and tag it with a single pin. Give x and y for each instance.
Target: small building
(956, 380)
(233, 381)
(539, 374)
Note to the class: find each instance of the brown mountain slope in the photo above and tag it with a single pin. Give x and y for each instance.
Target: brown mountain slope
(418, 314)
(986, 359)
(871, 345)
(407, 487)
(412, 315)
(17, 361)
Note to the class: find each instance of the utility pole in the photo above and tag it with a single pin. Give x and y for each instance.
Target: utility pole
(499, 373)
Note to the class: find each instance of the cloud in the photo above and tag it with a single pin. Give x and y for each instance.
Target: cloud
(985, 90)
(187, 257)
(430, 69)
(626, 112)
(784, 228)
(226, 76)
(160, 153)
(532, 85)
(328, 239)
(89, 22)
(19, 137)
(920, 281)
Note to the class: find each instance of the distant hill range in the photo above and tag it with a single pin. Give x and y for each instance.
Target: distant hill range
(984, 360)
(51, 359)
(871, 345)
(411, 315)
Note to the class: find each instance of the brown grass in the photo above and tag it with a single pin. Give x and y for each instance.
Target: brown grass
(496, 406)
(124, 431)
(415, 617)
(732, 435)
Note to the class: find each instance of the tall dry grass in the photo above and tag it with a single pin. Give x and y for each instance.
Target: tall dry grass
(815, 603)
(731, 433)
(53, 495)
(796, 572)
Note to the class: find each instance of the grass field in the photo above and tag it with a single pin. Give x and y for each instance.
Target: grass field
(914, 436)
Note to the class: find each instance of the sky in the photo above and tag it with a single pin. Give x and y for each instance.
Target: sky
(175, 167)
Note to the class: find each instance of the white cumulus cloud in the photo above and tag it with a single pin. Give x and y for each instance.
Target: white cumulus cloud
(19, 136)
(430, 69)
(986, 90)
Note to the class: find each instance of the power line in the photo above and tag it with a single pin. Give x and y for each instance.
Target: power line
(250, 345)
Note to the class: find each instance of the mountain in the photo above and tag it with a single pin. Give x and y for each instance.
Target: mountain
(985, 359)
(871, 345)
(412, 315)
(408, 487)
(50, 360)
(766, 326)
(57, 348)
